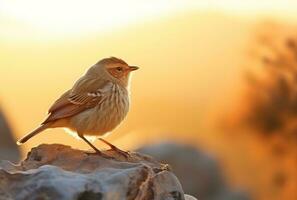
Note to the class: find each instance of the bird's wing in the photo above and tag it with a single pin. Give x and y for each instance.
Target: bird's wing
(78, 99)
(61, 102)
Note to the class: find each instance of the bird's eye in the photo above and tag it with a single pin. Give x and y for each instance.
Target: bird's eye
(119, 69)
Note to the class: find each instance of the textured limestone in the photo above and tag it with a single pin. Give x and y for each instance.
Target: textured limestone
(60, 172)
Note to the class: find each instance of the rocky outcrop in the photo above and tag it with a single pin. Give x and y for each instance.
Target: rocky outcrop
(60, 172)
(8, 148)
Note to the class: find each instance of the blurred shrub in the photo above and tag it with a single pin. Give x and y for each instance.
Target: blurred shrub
(269, 107)
(271, 98)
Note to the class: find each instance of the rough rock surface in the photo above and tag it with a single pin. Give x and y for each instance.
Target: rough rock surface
(199, 173)
(8, 148)
(60, 172)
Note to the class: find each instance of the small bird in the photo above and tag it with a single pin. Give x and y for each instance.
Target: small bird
(95, 105)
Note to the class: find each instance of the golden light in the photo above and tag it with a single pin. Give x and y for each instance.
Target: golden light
(192, 47)
(55, 32)
(71, 17)
(68, 18)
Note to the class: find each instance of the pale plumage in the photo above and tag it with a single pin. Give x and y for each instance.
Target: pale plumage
(109, 112)
(97, 103)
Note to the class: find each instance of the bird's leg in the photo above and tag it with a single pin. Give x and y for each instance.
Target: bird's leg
(124, 153)
(97, 151)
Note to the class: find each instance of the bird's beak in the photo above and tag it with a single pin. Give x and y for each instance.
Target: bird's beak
(133, 68)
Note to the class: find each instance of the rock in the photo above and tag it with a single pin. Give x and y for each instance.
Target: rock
(60, 172)
(199, 173)
(8, 148)
(189, 197)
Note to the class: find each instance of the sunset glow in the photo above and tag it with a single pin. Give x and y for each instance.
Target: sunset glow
(193, 57)
(72, 17)
(60, 18)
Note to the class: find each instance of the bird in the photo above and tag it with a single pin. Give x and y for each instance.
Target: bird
(95, 105)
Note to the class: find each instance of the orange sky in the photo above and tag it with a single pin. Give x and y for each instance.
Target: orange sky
(49, 20)
(181, 49)
(176, 55)
(189, 59)
(190, 56)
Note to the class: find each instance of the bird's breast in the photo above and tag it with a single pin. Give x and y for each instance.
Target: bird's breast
(108, 114)
(115, 105)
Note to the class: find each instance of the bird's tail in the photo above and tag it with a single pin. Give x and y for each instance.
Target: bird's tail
(33, 133)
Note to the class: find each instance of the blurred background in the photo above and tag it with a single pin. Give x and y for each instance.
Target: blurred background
(215, 97)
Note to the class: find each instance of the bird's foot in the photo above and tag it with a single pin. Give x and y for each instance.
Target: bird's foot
(126, 154)
(99, 153)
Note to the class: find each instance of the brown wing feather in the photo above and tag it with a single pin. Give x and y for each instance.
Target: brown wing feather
(70, 104)
(64, 112)
(73, 107)
(61, 102)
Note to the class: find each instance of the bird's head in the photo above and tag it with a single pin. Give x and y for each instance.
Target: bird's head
(116, 69)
